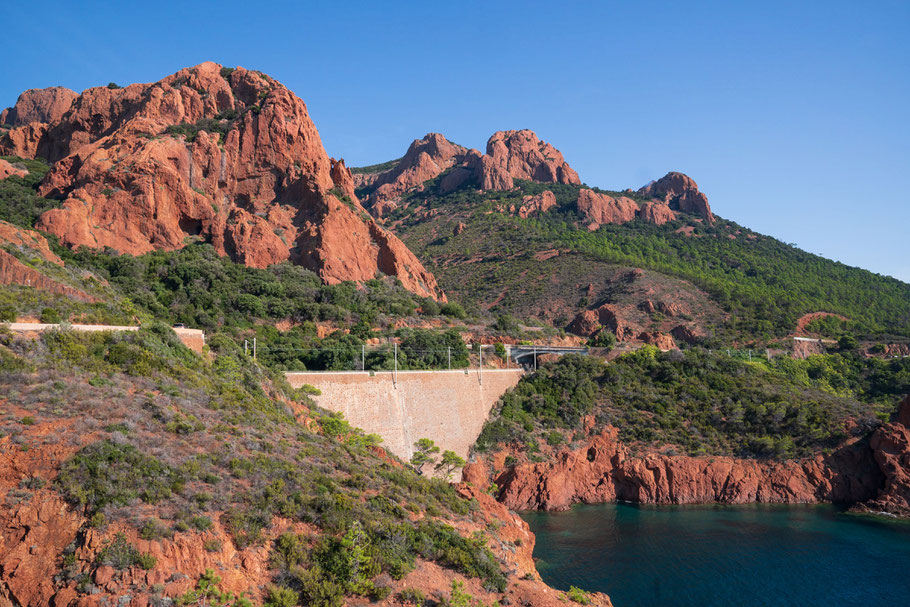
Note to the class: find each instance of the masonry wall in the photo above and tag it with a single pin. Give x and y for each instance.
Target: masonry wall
(449, 407)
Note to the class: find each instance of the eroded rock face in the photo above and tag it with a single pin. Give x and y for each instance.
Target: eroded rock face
(536, 205)
(510, 155)
(603, 471)
(680, 192)
(891, 448)
(248, 173)
(656, 213)
(599, 209)
(522, 155)
(425, 159)
(39, 105)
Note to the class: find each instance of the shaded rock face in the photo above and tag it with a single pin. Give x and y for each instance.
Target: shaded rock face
(680, 192)
(891, 448)
(262, 191)
(590, 322)
(603, 471)
(510, 155)
(39, 105)
(425, 159)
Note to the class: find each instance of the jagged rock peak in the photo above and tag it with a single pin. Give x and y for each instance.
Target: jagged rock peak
(522, 155)
(681, 193)
(226, 155)
(510, 155)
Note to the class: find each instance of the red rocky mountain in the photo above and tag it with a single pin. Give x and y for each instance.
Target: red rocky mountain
(515, 155)
(510, 155)
(229, 156)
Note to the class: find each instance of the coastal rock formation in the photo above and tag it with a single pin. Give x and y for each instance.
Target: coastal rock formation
(602, 471)
(891, 447)
(679, 192)
(39, 105)
(227, 156)
(599, 209)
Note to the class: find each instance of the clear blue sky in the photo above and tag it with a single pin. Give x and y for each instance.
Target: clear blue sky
(793, 116)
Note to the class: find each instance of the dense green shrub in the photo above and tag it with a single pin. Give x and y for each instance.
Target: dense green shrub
(106, 473)
(764, 284)
(703, 403)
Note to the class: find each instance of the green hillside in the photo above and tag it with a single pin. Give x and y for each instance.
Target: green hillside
(764, 284)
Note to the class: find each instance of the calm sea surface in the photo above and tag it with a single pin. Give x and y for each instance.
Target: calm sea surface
(743, 556)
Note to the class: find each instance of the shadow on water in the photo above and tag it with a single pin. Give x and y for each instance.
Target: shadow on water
(750, 555)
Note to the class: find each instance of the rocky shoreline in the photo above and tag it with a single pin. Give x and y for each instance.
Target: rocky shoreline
(870, 474)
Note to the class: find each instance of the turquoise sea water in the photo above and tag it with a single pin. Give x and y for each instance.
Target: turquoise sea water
(744, 556)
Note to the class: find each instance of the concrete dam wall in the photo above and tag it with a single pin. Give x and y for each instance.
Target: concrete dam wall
(449, 407)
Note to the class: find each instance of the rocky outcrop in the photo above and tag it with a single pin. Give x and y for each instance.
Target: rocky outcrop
(27, 239)
(656, 212)
(531, 206)
(679, 192)
(9, 170)
(15, 272)
(510, 155)
(425, 159)
(603, 471)
(590, 322)
(23, 141)
(891, 448)
(687, 334)
(661, 341)
(522, 155)
(39, 105)
(227, 156)
(599, 209)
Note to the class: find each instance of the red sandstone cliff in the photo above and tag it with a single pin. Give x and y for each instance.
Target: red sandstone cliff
(873, 473)
(891, 448)
(245, 170)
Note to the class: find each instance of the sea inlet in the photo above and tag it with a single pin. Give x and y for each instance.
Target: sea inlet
(713, 555)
